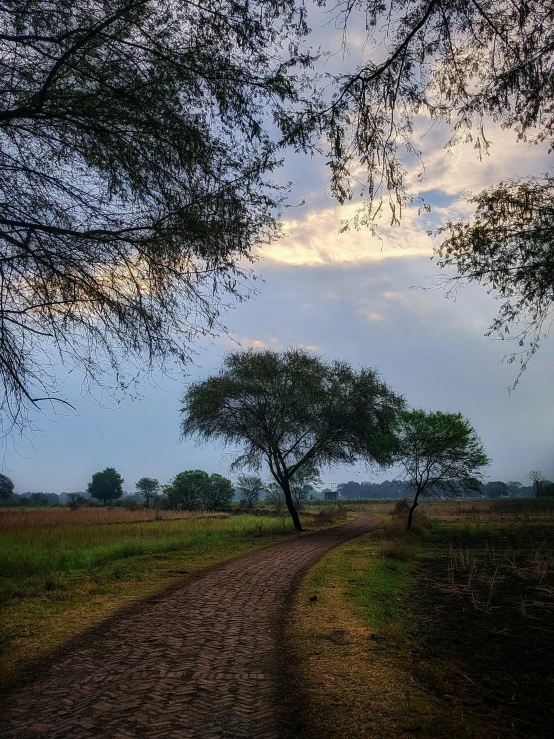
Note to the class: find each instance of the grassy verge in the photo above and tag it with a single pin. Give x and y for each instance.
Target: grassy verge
(56, 581)
(352, 634)
(446, 633)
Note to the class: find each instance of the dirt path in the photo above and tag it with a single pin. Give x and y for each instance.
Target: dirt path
(199, 663)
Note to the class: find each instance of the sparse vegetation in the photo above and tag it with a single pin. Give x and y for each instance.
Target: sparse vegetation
(442, 631)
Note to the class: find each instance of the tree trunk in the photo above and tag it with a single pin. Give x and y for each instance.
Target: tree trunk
(411, 513)
(290, 505)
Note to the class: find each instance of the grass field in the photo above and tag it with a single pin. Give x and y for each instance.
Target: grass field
(62, 571)
(445, 633)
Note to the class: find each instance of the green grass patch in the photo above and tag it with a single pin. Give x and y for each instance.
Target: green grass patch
(57, 580)
(33, 560)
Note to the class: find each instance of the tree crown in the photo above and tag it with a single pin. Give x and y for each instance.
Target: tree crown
(440, 453)
(290, 408)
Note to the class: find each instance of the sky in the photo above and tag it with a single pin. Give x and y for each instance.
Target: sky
(369, 300)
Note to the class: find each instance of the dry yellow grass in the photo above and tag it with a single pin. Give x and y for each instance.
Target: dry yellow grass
(353, 681)
(24, 518)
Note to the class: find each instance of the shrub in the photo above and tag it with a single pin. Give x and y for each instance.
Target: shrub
(401, 507)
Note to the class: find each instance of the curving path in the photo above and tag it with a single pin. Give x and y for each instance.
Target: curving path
(200, 662)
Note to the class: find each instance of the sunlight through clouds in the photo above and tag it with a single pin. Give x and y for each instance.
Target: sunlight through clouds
(315, 240)
(313, 237)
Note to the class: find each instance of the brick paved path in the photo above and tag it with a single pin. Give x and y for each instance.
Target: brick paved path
(199, 663)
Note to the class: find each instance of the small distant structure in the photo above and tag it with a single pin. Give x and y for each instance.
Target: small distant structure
(331, 493)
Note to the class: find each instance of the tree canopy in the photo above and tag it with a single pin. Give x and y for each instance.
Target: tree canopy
(193, 489)
(106, 485)
(464, 64)
(138, 140)
(292, 410)
(440, 454)
(148, 489)
(135, 165)
(508, 246)
(6, 488)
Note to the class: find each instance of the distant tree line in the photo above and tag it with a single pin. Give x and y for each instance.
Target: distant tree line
(190, 490)
(195, 489)
(395, 489)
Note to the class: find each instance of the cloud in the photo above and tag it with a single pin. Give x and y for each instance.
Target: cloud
(315, 239)
(313, 234)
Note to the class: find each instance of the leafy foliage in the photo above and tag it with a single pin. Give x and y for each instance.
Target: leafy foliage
(463, 64)
(218, 494)
(449, 60)
(148, 489)
(105, 485)
(195, 489)
(249, 488)
(135, 169)
(292, 410)
(6, 488)
(187, 489)
(440, 454)
(509, 247)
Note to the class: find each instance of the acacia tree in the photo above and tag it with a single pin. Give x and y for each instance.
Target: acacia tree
(292, 410)
(106, 485)
(148, 489)
(135, 160)
(134, 163)
(440, 453)
(249, 488)
(462, 64)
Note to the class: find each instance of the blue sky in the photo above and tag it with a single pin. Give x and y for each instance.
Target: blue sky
(351, 296)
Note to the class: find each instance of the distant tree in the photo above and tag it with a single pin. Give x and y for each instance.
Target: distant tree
(218, 493)
(274, 496)
(350, 490)
(188, 489)
(106, 485)
(249, 488)
(495, 489)
(39, 499)
(547, 489)
(303, 484)
(440, 454)
(515, 487)
(537, 478)
(6, 488)
(148, 489)
(292, 409)
(75, 500)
